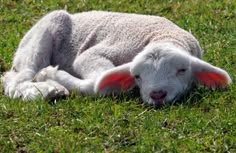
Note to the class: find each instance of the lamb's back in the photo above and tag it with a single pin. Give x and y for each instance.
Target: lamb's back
(124, 35)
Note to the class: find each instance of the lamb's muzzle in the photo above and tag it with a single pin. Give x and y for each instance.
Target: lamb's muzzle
(158, 96)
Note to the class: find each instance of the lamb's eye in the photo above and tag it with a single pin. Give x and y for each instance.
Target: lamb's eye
(137, 77)
(181, 71)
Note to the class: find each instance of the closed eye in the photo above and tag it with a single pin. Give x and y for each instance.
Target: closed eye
(181, 71)
(137, 77)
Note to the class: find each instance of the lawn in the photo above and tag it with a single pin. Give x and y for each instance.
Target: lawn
(202, 121)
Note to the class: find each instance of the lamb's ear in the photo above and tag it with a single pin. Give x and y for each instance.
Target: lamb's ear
(209, 75)
(115, 80)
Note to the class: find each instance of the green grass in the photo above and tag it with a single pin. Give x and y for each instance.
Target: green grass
(203, 121)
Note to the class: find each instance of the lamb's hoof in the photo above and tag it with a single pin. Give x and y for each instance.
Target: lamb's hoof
(33, 90)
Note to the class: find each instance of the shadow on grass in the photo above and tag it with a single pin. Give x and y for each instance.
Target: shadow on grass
(3, 66)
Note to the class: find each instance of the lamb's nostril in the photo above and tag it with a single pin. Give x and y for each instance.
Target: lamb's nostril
(158, 95)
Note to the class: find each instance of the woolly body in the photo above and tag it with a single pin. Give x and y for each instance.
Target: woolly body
(86, 45)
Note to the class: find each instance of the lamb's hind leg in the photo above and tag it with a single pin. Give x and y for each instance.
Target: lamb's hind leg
(33, 54)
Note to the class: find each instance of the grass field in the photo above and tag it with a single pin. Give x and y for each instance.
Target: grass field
(203, 121)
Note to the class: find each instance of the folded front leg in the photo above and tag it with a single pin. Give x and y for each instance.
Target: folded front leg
(71, 83)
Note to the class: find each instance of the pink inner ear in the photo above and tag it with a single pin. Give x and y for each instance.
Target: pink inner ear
(117, 81)
(212, 79)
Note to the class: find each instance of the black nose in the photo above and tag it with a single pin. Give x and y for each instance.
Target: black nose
(158, 96)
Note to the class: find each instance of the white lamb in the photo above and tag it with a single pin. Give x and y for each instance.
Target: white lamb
(102, 52)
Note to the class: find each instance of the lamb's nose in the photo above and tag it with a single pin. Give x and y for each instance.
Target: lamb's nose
(158, 96)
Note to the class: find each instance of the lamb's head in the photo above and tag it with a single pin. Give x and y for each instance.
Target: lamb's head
(163, 73)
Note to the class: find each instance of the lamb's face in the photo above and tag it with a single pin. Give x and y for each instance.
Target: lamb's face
(161, 74)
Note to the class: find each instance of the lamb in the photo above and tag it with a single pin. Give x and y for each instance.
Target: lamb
(99, 52)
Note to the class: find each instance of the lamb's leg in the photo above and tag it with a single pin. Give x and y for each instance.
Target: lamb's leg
(71, 83)
(87, 65)
(33, 54)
